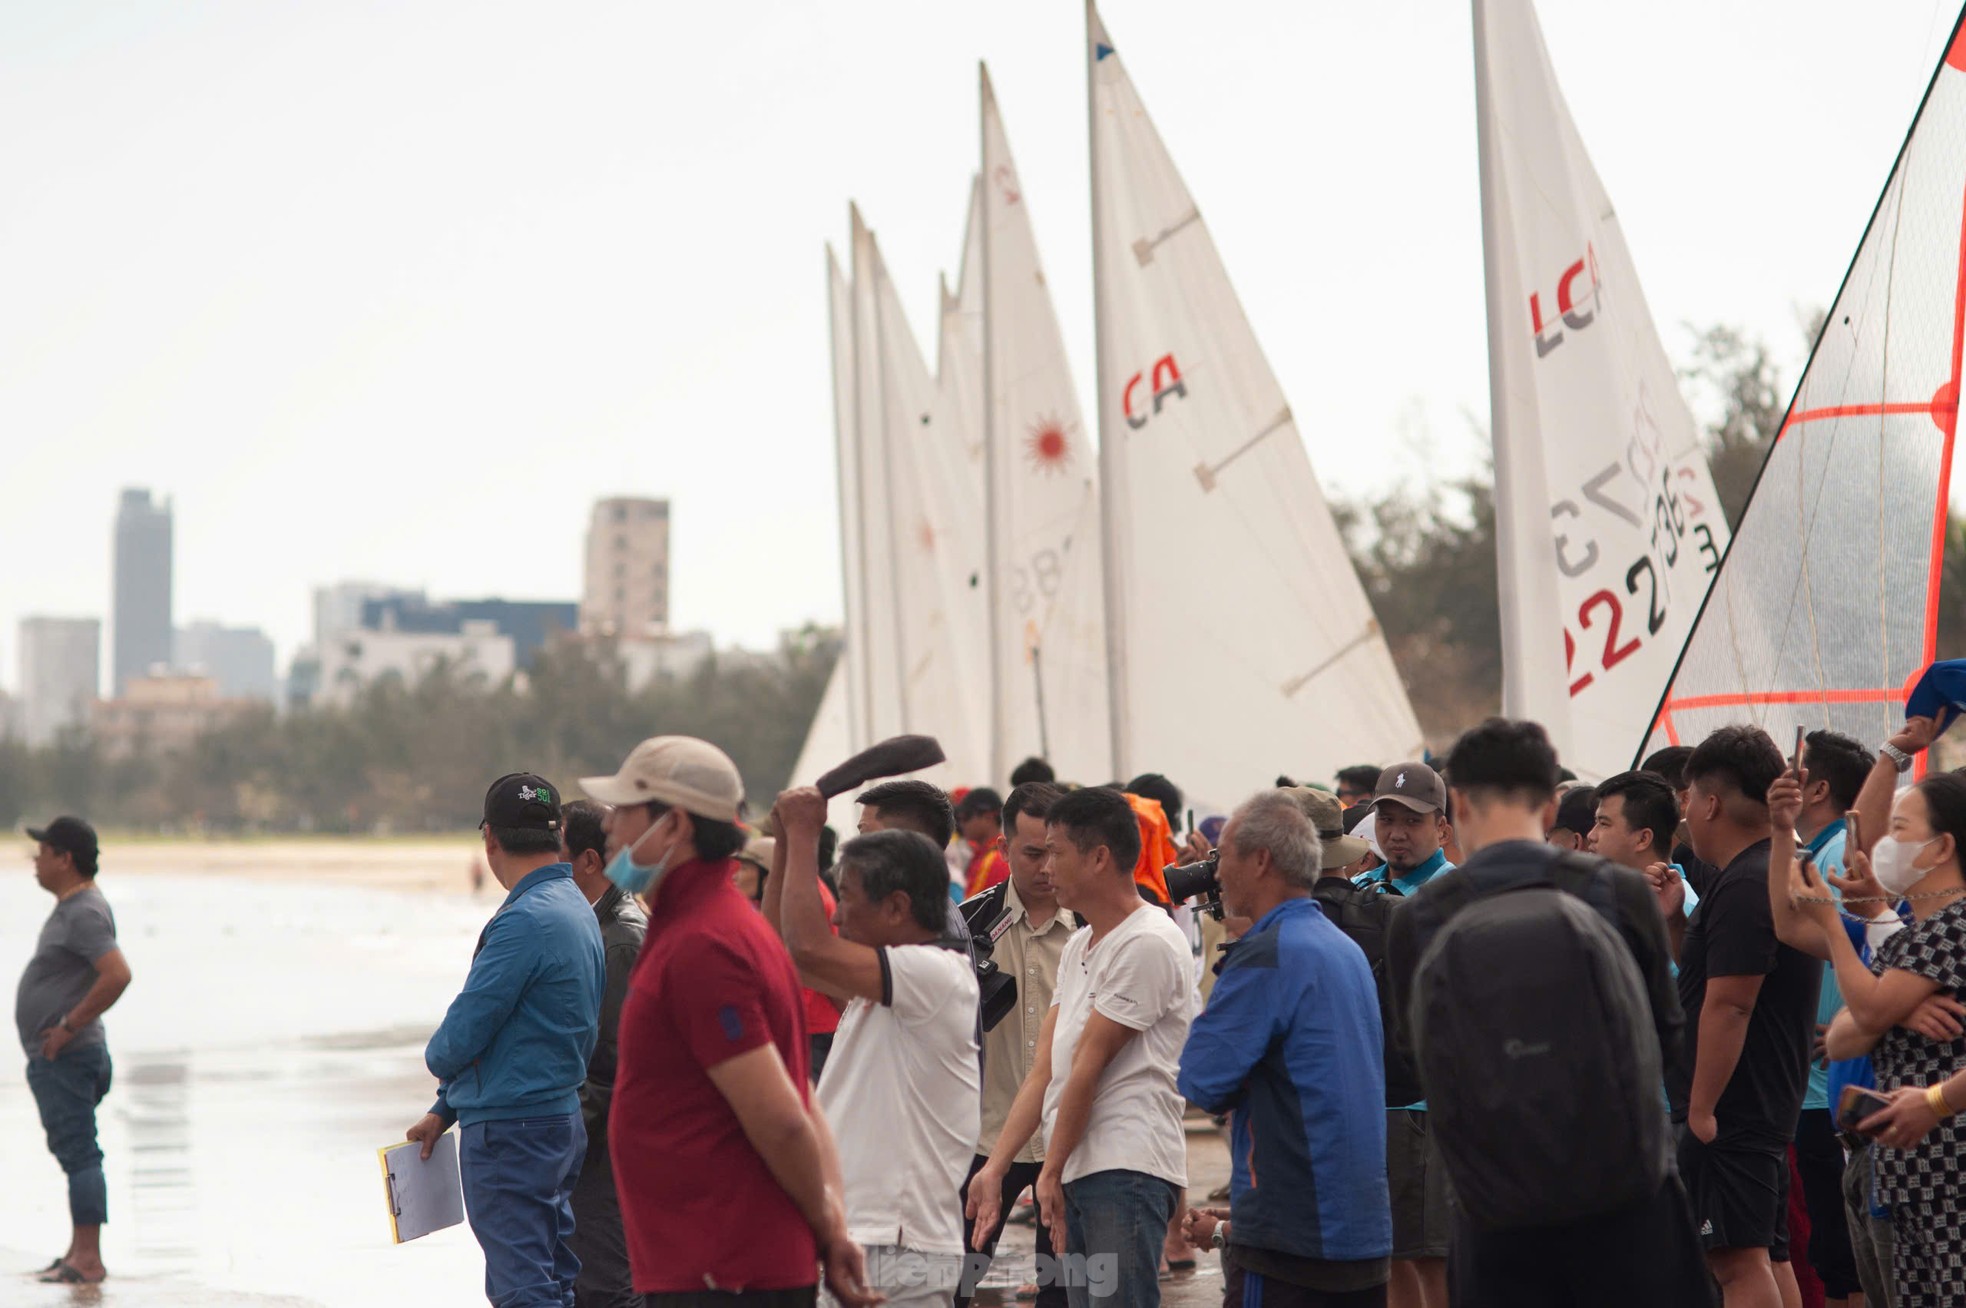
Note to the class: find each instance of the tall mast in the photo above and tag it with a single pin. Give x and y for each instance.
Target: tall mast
(993, 488)
(1515, 692)
(1111, 456)
(853, 647)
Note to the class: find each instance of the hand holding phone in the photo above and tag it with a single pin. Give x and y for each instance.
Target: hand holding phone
(1857, 1104)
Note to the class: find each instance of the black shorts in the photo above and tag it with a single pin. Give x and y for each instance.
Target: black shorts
(1417, 1179)
(1740, 1195)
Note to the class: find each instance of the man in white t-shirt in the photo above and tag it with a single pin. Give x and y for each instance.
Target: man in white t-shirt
(1102, 1085)
(903, 1086)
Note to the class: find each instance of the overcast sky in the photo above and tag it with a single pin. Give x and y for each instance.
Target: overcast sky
(395, 291)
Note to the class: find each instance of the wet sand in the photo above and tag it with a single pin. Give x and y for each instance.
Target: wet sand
(271, 1042)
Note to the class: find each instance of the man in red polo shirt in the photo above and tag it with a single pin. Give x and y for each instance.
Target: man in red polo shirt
(729, 1183)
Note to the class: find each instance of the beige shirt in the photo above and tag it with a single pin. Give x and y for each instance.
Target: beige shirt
(1028, 952)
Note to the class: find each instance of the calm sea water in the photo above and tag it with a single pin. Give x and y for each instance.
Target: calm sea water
(271, 1041)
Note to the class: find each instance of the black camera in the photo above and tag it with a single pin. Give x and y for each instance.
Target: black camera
(1200, 881)
(996, 989)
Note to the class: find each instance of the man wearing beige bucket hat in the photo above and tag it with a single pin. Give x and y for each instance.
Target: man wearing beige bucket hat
(713, 1057)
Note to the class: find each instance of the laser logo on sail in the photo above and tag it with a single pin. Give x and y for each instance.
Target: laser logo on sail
(1165, 380)
(1573, 311)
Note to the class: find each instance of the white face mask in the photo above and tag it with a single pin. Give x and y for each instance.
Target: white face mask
(1894, 862)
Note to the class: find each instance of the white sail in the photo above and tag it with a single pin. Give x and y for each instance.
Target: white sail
(1047, 629)
(1241, 643)
(959, 347)
(936, 518)
(1608, 531)
(1827, 604)
(846, 444)
(829, 740)
(876, 640)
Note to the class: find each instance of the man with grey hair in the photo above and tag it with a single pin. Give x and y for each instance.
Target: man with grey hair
(1290, 1046)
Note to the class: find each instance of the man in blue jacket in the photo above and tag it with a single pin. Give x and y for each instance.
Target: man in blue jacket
(1291, 1043)
(512, 1052)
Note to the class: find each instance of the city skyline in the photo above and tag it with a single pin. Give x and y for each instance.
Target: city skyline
(346, 362)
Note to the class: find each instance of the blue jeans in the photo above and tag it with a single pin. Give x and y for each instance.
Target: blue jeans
(67, 1091)
(518, 1191)
(1115, 1225)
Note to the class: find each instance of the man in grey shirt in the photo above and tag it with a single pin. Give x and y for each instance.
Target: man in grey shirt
(76, 973)
(606, 1280)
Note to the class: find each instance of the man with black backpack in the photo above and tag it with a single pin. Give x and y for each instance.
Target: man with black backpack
(1534, 985)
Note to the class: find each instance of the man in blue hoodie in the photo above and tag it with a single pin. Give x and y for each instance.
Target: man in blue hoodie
(512, 1053)
(1291, 1044)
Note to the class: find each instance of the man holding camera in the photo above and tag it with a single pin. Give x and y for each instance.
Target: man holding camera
(1026, 929)
(1290, 1043)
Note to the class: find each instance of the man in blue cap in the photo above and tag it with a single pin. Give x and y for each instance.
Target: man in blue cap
(512, 1053)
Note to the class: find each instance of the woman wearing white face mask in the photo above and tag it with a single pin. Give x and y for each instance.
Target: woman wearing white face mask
(1919, 862)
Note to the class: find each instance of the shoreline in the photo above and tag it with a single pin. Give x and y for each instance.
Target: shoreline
(420, 866)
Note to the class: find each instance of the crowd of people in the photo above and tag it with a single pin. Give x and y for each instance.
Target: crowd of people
(1478, 1034)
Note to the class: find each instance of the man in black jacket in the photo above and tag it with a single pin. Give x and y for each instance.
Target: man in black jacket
(605, 1280)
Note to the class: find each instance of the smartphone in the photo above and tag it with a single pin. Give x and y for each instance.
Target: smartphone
(1795, 758)
(1857, 1104)
(1853, 826)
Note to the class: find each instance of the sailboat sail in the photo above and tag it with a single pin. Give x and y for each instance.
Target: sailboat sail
(1608, 530)
(1240, 641)
(1048, 692)
(959, 349)
(828, 741)
(1826, 607)
(937, 545)
(875, 644)
(846, 443)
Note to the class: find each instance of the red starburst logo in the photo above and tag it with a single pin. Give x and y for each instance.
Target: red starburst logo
(1047, 446)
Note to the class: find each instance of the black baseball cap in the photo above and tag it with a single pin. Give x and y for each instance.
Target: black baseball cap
(520, 801)
(69, 835)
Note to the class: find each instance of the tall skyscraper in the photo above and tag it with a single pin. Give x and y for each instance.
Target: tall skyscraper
(60, 665)
(143, 586)
(627, 589)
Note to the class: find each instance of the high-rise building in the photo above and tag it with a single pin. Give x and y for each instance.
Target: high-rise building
(338, 608)
(530, 623)
(627, 588)
(143, 586)
(238, 659)
(60, 666)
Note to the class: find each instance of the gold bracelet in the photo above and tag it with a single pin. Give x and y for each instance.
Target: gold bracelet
(1935, 1095)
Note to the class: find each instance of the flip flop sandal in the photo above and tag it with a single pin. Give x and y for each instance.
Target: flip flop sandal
(1180, 1264)
(1027, 1293)
(63, 1274)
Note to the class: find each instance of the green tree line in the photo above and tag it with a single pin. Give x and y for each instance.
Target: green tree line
(410, 758)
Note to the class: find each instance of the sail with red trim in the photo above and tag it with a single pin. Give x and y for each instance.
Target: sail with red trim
(1047, 630)
(1826, 607)
(1240, 641)
(1608, 530)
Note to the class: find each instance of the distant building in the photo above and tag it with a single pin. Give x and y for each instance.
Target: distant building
(662, 658)
(530, 623)
(143, 587)
(627, 584)
(338, 608)
(10, 724)
(356, 659)
(162, 715)
(60, 670)
(239, 659)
